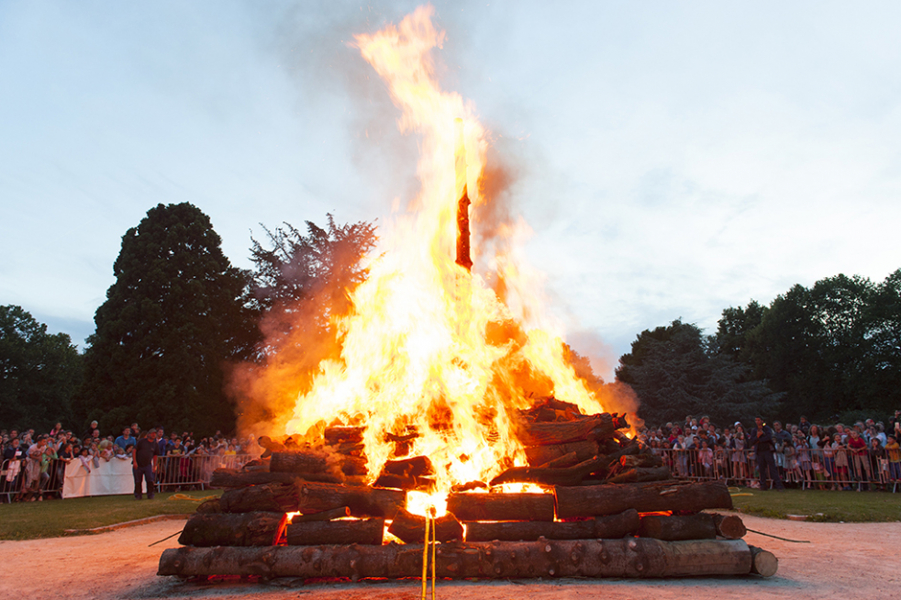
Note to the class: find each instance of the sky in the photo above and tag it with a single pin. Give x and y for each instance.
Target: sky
(672, 158)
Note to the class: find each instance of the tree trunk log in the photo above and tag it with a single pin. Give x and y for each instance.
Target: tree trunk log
(599, 500)
(635, 557)
(316, 461)
(763, 562)
(501, 507)
(236, 478)
(325, 515)
(411, 528)
(241, 529)
(340, 435)
(541, 455)
(642, 474)
(405, 482)
(315, 533)
(640, 460)
(363, 501)
(729, 526)
(543, 434)
(549, 476)
(612, 527)
(269, 497)
(673, 529)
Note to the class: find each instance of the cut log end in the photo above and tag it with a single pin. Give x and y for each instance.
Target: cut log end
(763, 562)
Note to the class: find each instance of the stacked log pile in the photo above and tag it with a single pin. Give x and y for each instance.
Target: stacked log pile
(606, 508)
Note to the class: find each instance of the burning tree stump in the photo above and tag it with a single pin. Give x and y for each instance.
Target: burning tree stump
(363, 501)
(242, 529)
(599, 500)
(612, 527)
(501, 507)
(635, 557)
(314, 533)
(411, 528)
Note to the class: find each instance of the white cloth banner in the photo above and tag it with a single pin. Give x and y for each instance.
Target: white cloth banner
(105, 479)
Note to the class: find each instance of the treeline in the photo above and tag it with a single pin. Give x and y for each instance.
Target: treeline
(831, 352)
(176, 322)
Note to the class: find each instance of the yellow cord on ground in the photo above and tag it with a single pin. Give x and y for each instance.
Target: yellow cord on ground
(185, 497)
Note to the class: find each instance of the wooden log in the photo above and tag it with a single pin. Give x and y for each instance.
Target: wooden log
(642, 474)
(238, 529)
(363, 501)
(405, 482)
(631, 557)
(235, 478)
(209, 506)
(540, 455)
(549, 476)
(612, 527)
(411, 528)
(269, 497)
(542, 434)
(675, 528)
(567, 460)
(610, 499)
(763, 562)
(416, 466)
(316, 461)
(340, 434)
(315, 533)
(501, 507)
(635, 461)
(729, 526)
(325, 515)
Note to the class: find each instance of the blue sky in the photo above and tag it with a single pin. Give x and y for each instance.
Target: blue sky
(673, 158)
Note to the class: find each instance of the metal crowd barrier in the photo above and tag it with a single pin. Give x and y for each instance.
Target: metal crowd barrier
(13, 483)
(194, 471)
(832, 469)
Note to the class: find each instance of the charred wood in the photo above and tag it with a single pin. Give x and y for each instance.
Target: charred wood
(225, 529)
(635, 557)
(339, 435)
(501, 507)
(609, 499)
(405, 482)
(411, 528)
(593, 427)
(325, 515)
(642, 474)
(363, 501)
(612, 527)
(315, 533)
(549, 476)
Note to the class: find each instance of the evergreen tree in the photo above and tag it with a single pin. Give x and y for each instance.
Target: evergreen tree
(39, 373)
(176, 316)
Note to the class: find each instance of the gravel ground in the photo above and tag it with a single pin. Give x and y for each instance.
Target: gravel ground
(842, 561)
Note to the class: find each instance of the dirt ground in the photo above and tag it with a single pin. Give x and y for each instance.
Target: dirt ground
(842, 561)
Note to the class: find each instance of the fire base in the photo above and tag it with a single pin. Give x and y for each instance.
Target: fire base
(627, 557)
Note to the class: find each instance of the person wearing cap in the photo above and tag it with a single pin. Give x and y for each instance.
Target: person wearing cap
(762, 440)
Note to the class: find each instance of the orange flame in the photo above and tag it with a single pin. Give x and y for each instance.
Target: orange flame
(429, 346)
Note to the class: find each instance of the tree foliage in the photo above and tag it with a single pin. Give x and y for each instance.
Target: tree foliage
(176, 315)
(39, 372)
(676, 371)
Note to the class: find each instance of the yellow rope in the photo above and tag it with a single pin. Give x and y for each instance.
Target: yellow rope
(185, 497)
(434, 547)
(425, 558)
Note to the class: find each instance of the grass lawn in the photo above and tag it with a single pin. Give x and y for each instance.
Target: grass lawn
(829, 506)
(51, 518)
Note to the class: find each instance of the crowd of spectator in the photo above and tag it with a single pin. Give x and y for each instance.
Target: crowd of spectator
(864, 455)
(34, 463)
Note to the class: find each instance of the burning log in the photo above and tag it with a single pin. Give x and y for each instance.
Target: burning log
(313, 462)
(363, 501)
(672, 529)
(501, 507)
(405, 482)
(341, 434)
(642, 474)
(314, 533)
(463, 256)
(549, 476)
(325, 515)
(241, 529)
(539, 456)
(635, 557)
(612, 527)
(596, 426)
(610, 499)
(270, 497)
(411, 528)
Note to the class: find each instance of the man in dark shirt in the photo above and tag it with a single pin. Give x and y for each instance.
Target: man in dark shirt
(762, 440)
(142, 456)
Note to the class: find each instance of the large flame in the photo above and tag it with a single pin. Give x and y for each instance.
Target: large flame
(429, 346)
